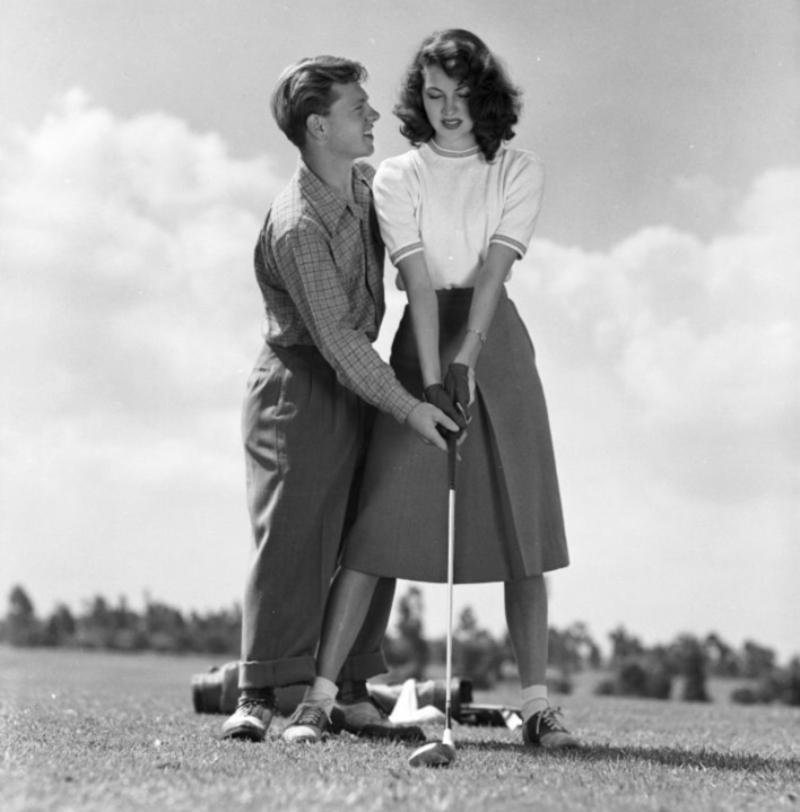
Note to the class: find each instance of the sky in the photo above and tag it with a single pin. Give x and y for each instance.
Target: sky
(138, 159)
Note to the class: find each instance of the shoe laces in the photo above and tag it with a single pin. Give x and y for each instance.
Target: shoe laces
(311, 715)
(250, 705)
(549, 717)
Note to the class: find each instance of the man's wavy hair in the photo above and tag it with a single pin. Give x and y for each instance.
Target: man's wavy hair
(306, 88)
(494, 102)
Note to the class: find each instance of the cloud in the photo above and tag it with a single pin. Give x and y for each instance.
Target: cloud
(700, 340)
(129, 309)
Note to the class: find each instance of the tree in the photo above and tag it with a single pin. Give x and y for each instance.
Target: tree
(218, 632)
(411, 649)
(165, 627)
(95, 626)
(624, 645)
(758, 661)
(722, 660)
(476, 653)
(22, 624)
(573, 649)
(127, 631)
(688, 654)
(59, 629)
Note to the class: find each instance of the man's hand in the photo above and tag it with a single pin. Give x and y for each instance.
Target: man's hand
(425, 420)
(437, 395)
(459, 383)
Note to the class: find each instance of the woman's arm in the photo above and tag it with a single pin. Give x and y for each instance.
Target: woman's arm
(524, 186)
(491, 278)
(424, 309)
(424, 315)
(460, 379)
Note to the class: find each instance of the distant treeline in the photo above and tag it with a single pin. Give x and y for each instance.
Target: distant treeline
(634, 668)
(102, 625)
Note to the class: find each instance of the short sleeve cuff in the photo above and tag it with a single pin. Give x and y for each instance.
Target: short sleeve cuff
(405, 251)
(510, 242)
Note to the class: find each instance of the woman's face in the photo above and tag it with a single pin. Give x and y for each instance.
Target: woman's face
(446, 104)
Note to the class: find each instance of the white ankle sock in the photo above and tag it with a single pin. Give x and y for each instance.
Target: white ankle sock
(323, 693)
(534, 699)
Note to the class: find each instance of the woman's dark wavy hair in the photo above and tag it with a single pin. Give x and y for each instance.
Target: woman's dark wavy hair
(494, 102)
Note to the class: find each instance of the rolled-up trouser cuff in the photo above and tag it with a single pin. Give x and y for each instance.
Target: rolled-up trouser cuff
(276, 673)
(302, 670)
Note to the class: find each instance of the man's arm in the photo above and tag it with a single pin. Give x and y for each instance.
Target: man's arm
(313, 281)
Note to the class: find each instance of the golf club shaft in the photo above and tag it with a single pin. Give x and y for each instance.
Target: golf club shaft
(451, 534)
(442, 754)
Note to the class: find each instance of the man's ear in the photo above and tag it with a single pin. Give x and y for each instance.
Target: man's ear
(316, 126)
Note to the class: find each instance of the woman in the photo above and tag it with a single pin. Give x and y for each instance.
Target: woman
(456, 212)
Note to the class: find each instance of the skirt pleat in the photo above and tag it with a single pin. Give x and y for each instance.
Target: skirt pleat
(509, 521)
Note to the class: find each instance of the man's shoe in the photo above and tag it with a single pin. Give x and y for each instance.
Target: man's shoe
(544, 730)
(366, 718)
(308, 724)
(250, 721)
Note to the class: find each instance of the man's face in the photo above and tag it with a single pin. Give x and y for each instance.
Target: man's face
(350, 121)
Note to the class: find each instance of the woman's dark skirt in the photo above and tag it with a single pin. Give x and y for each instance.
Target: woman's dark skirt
(509, 522)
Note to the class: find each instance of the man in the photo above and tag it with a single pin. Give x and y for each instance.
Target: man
(319, 265)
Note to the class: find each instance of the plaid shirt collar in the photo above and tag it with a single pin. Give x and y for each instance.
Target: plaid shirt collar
(328, 205)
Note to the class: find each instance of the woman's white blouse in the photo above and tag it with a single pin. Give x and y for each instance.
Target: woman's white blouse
(453, 205)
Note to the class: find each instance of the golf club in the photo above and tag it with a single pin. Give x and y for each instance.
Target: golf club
(443, 753)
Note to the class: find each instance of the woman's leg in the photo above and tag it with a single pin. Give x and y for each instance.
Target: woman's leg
(526, 616)
(348, 602)
(365, 658)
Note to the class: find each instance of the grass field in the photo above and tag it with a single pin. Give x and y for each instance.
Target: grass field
(81, 731)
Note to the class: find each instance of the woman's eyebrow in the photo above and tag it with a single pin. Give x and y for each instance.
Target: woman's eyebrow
(462, 86)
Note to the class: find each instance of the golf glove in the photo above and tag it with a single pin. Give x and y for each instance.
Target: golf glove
(459, 383)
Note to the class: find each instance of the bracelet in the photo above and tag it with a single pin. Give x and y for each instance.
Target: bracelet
(481, 336)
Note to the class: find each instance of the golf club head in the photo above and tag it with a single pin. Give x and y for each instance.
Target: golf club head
(435, 754)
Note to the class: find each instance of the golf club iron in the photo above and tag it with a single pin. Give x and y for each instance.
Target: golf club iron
(443, 753)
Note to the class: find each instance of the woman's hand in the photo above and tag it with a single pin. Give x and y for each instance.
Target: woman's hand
(459, 384)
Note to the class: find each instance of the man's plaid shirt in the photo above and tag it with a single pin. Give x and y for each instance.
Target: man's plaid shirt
(319, 264)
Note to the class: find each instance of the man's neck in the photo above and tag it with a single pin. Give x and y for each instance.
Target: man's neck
(333, 171)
